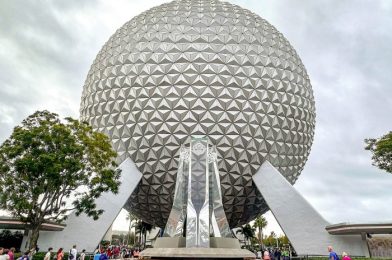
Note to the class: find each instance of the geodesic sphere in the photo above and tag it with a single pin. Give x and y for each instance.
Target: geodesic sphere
(201, 67)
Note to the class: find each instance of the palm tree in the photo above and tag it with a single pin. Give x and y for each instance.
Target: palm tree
(142, 228)
(138, 230)
(146, 227)
(247, 231)
(273, 237)
(131, 217)
(260, 223)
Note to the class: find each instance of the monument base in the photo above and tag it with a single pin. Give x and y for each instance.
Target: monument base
(180, 242)
(196, 253)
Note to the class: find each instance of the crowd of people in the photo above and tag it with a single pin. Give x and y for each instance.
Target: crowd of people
(283, 254)
(72, 254)
(119, 252)
(275, 254)
(7, 254)
(115, 252)
(101, 253)
(334, 256)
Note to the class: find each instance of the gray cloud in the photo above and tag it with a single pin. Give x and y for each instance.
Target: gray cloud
(346, 46)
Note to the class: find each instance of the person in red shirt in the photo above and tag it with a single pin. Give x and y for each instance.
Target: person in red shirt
(266, 256)
(116, 252)
(60, 254)
(109, 253)
(345, 256)
(11, 253)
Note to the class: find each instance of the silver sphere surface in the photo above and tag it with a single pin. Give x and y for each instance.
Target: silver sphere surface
(201, 67)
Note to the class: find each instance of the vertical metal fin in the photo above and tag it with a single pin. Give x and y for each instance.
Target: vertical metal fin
(198, 198)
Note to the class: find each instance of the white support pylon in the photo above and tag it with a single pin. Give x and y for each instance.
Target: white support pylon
(83, 231)
(302, 224)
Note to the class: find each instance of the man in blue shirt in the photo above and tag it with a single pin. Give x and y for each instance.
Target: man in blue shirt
(332, 254)
(104, 256)
(97, 255)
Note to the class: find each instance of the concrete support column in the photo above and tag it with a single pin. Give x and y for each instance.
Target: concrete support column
(365, 244)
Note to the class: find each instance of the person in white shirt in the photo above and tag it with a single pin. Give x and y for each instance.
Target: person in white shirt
(3, 256)
(73, 253)
(47, 256)
(83, 254)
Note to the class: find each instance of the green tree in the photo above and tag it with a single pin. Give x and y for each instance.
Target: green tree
(270, 240)
(247, 231)
(382, 151)
(260, 223)
(283, 240)
(142, 228)
(50, 167)
(119, 239)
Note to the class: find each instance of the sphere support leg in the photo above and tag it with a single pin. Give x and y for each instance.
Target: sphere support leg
(302, 224)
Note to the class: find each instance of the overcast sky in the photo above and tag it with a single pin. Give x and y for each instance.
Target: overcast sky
(47, 47)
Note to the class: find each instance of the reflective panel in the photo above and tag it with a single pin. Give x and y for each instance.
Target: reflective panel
(198, 199)
(198, 225)
(219, 221)
(176, 221)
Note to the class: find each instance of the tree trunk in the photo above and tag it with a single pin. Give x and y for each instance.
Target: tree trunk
(34, 236)
(261, 239)
(129, 235)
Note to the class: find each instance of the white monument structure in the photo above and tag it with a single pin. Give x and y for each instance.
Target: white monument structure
(203, 68)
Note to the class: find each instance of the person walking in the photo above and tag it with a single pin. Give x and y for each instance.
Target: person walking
(97, 254)
(109, 252)
(25, 256)
(11, 253)
(116, 252)
(33, 251)
(332, 254)
(83, 254)
(277, 254)
(345, 256)
(48, 254)
(266, 255)
(60, 254)
(285, 254)
(73, 253)
(3, 256)
(103, 256)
